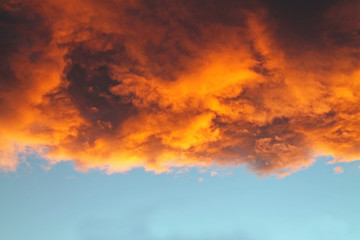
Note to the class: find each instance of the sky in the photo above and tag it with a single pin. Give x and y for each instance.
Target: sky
(62, 203)
(176, 119)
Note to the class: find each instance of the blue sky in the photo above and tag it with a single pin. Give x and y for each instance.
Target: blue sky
(64, 204)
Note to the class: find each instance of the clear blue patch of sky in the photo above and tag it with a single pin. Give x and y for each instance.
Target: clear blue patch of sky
(63, 204)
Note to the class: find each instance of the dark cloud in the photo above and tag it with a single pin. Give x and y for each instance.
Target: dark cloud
(160, 84)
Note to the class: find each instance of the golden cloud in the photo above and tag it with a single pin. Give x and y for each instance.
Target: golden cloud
(117, 84)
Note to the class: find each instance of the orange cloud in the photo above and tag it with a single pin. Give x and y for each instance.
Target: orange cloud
(338, 170)
(119, 84)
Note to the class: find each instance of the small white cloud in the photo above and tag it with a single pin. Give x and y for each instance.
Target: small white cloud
(338, 170)
(46, 168)
(182, 170)
(213, 173)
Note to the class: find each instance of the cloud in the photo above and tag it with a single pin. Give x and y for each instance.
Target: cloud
(120, 84)
(338, 170)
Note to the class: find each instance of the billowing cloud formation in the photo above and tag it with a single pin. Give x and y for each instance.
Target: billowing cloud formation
(118, 84)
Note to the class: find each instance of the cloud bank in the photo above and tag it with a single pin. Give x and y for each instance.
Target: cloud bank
(119, 84)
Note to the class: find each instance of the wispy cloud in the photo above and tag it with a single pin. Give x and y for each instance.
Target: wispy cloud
(338, 170)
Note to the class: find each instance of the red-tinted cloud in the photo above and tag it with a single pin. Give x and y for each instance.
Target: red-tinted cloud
(160, 84)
